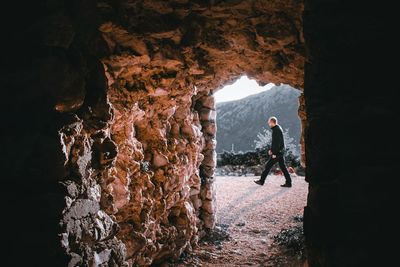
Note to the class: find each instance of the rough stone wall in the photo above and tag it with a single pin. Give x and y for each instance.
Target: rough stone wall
(155, 180)
(350, 142)
(111, 120)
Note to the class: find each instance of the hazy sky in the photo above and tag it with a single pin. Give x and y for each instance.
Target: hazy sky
(241, 88)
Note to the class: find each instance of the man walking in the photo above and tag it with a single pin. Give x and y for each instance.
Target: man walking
(276, 154)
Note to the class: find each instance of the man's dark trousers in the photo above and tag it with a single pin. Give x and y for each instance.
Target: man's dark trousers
(271, 162)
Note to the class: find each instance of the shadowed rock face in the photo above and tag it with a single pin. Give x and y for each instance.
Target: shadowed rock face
(350, 143)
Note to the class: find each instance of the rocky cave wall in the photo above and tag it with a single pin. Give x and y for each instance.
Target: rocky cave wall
(111, 120)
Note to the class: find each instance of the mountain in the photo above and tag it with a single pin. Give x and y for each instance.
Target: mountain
(241, 120)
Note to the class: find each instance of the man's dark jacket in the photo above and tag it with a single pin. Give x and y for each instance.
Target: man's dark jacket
(278, 144)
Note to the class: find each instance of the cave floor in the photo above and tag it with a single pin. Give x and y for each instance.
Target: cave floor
(252, 215)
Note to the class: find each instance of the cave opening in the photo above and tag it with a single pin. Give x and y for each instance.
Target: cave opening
(233, 203)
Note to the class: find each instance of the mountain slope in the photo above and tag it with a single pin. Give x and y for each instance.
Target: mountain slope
(240, 121)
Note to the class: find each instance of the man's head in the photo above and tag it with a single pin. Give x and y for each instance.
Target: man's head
(272, 121)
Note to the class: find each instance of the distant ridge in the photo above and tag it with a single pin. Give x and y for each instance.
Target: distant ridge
(239, 121)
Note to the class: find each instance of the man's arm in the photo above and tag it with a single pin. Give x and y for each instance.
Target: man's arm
(274, 143)
(277, 139)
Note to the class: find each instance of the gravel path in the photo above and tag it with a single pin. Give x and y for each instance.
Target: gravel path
(252, 215)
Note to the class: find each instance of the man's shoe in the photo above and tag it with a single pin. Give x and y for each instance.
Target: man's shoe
(286, 185)
(259, 182)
